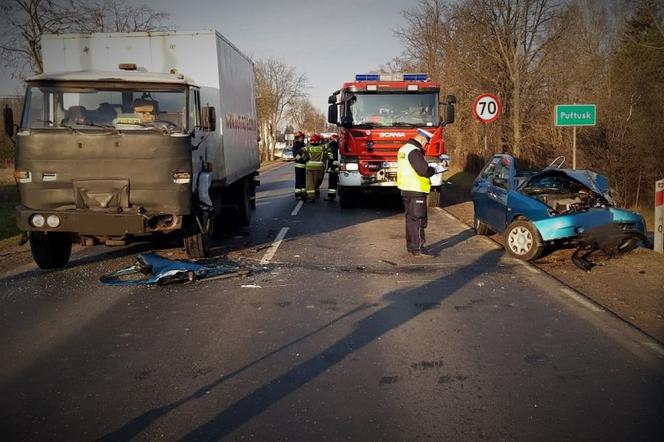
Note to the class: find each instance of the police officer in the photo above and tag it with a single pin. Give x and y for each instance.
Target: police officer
(300, 164)
(413, 175)
(332, 167)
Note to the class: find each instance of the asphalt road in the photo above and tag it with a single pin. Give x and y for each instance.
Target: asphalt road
(338, 335)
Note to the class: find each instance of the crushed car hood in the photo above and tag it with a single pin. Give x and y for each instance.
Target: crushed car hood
(592, 180)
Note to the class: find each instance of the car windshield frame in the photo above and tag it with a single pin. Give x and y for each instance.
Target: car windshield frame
(103, 106)
(393, 109)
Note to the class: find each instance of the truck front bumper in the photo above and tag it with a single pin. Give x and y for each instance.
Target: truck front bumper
(378, 179)
(99, 223)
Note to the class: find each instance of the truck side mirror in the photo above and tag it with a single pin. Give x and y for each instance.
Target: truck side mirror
(450, 101)
(8, 119)
(209, 117)
(331, 99)
(332, 114)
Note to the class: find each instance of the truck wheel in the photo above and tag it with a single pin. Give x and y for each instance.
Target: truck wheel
(480, 227)
(50, 250)
(347, 198)
(244, 206)
(197, 242)
(523, 241)
(433, 198)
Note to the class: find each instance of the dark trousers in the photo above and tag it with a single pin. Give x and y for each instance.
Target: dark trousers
(332, 181)
(416, 221)
(300, 181)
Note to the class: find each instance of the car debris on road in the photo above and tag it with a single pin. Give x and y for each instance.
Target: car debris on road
(152, 269)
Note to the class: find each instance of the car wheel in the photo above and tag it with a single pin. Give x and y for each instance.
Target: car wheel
(50, 250)
(480, 227)
(523, 241)
(628, 245)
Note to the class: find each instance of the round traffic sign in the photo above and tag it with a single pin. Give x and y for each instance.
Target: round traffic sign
(486, 108)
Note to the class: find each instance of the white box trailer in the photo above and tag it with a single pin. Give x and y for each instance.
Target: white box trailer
(225, 77)
(127, 135)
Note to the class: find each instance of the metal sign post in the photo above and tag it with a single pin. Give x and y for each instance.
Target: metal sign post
(659, 216)
(575, 115)
(486, 109)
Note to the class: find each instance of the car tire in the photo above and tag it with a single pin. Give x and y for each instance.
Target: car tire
(523, 241)
(481, 228)
(628, 245)
(50, 250)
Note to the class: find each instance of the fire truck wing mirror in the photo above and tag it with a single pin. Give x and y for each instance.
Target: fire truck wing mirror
(331, 99)
(8, 120)
(450, 101)
(209, 117)
(332, 114)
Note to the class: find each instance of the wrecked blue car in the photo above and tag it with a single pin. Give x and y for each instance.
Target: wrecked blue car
(552, 207)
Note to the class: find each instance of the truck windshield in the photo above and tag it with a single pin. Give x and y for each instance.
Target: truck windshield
(91, 107)
(394, 109)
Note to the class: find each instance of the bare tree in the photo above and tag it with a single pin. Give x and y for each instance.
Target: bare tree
(24, 22)
(278, 89)
(305, 117)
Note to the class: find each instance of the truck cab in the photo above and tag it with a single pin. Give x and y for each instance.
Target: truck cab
(376, 114)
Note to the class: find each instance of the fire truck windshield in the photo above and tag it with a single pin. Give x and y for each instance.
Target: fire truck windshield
(393, 109)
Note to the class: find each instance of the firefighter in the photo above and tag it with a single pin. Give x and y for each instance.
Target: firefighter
(332, 167)
(300, 161)
(413, 175)
(316, 155)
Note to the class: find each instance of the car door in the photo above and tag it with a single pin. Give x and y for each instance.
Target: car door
(501, 183)
(480, 189)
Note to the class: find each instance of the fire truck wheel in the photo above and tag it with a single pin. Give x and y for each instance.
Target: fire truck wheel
(347, 198)
(50, 250)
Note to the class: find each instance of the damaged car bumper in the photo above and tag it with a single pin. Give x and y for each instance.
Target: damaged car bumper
(572, 225)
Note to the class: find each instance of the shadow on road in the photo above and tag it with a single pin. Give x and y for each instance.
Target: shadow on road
(403, 306)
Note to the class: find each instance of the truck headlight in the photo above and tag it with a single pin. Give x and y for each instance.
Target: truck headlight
(37, 220)
(352, 167)
(53, 221)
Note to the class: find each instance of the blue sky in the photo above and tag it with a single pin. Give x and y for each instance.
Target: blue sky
(329, 41)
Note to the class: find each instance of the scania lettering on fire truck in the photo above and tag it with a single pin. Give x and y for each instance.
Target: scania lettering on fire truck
(376, 114)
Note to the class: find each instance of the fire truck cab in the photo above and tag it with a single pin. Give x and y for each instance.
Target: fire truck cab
(376, 114)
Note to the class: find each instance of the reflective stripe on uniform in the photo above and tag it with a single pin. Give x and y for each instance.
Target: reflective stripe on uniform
(407, 177)
(332, 191)
(300, 165)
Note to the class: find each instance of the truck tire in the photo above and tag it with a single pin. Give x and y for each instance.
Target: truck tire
(433, 198)
(523, 241)
(50, 250)
(347, 198)
(197, 243)
(243, 202)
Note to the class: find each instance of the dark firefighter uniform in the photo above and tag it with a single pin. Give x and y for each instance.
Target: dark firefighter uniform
(300, 165)
(332, 168)
(413, 175)
(316, 156)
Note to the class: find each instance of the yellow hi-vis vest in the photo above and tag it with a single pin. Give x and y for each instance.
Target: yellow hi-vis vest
(407, 178)
(317, 154)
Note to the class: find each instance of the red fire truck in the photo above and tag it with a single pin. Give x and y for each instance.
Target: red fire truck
(376, 114)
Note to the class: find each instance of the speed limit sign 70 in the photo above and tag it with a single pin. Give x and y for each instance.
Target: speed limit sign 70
(486, 108)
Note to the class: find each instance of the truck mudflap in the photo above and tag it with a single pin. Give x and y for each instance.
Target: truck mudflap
(95, 223)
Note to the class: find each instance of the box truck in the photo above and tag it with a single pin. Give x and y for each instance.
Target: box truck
(128, 135)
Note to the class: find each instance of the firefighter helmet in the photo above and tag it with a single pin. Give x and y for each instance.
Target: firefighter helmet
(315, 139)
(299, 134)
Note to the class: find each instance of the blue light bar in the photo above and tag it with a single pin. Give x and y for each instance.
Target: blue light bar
(367, 77)
(415, 77)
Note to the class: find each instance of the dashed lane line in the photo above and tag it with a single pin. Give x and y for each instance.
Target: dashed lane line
(297, 208)
(269, 254)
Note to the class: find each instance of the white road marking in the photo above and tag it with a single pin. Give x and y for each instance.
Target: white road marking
(275, 245)
(581, 300)
(658, 348)
(297, 208)
(449, 216)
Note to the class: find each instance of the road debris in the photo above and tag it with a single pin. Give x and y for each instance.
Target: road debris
(152, 269)
(612, 240)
